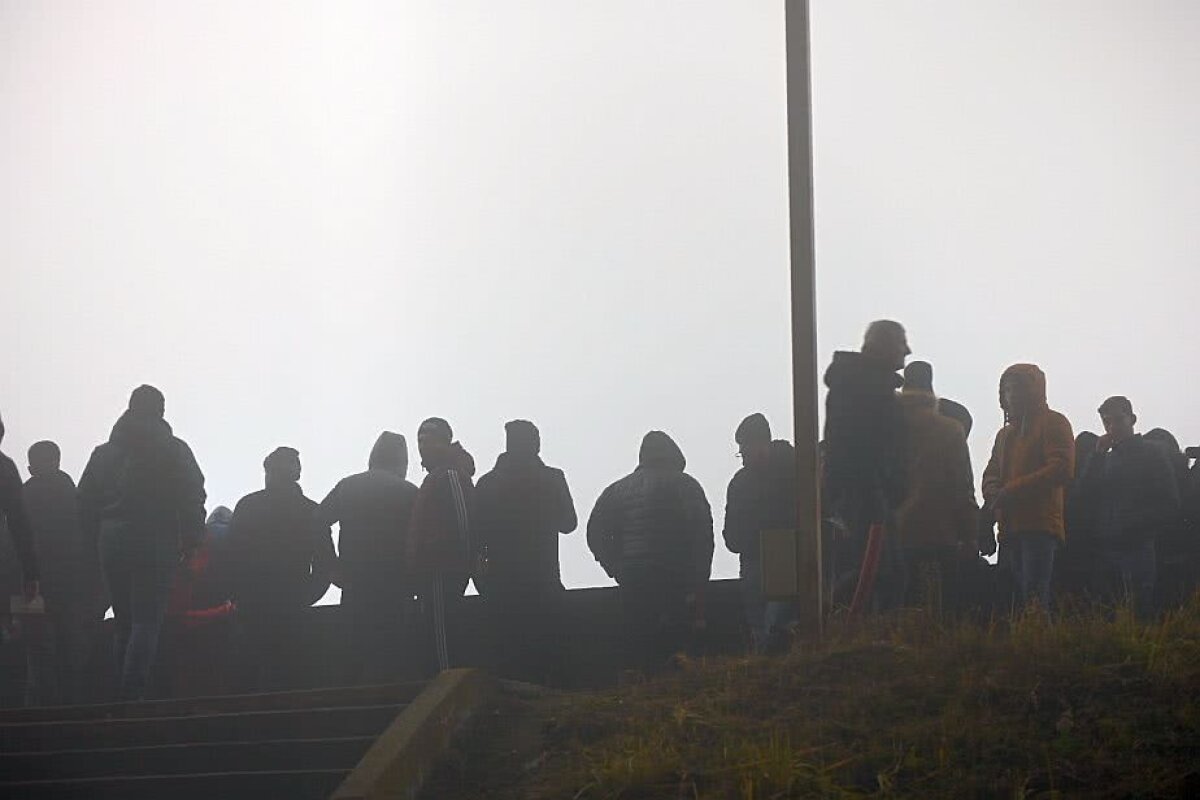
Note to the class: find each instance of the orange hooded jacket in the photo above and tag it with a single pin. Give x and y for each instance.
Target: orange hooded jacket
(1033, 459)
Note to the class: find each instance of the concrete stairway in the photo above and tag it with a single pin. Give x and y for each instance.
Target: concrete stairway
(290, 745)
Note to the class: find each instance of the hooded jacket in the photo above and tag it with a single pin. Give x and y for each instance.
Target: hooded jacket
(144, 483)
(864, 436)
(521, 508)
(374, 509)
(939, 508)
(654, 520)
(70, 561)
(759, 499)
(12, 508)
(440, 532)
(1033, 460)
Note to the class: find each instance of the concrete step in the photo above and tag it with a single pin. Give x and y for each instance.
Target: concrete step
(308, 723)
(299, 784)
(178, 759)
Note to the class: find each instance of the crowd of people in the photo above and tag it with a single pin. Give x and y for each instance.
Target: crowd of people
(1111, 517)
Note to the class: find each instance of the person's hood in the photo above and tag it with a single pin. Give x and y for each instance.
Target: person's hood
(1034, 380)
(461, 460)
(855, 371)
(221, 515)
(390, 453)
(659, 450)
(135, 431)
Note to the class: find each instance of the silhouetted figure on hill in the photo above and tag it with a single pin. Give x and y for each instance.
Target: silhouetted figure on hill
(1178, 546)
(1134, 493)
(12, 508)
(1032, 461)
(918, 377)
(284, 562)
(761, 496)
(937, 522)
(71, 581)
(652, 532)
(142, 496)
(521, 508)
(374, 509)
(864, 452)
(441, 550)
(1073, 562)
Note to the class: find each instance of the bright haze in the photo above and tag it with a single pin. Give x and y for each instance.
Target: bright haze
(309, 222)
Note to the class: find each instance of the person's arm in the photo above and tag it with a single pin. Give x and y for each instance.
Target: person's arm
(600, 532)
(568, 520)
(1058, 447)
(962, 482)
(993, 480)
(702, 522)
(737, 522)
(330, 511)
(191, 500)
(324, 559)
(12, 504)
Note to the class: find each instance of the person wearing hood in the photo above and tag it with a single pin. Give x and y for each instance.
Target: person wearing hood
(374, 509)
(70, 581)
(936, 523)
(12, 509)
(652, 532)
(1032, 462)
(283, 563)
(1134, 494)
(441, 552)
(761, 496)
(521, 508)
(918, 377)
(142, 497)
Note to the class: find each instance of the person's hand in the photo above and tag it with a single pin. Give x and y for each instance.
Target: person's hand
(31, 589)
(1104, 443)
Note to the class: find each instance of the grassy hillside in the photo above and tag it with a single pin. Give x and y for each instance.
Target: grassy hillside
(904, 707)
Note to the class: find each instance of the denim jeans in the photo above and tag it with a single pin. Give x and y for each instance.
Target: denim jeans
(139, 571)
(766, 619)
(1126, 570)
(1030, 557)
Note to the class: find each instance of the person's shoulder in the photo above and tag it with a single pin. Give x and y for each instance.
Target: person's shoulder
(1058, 419)
(740, 478)
(250, 501)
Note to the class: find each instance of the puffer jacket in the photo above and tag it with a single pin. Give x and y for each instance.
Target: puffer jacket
(1033, 460)
(939, 508)
(655, 519)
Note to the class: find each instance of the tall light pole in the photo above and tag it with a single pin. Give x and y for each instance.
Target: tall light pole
(804, 323)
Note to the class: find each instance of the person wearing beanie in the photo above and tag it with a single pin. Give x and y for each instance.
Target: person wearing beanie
(761, 496)
(918, 377)
(373, 510)
(1032, 461)
(141, 497)
(1133, 494)
(442, 554)
(652, 532)
(521, 508)
(12, 509)
(283, 562)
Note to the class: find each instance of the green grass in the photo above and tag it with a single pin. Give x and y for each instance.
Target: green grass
(901, 707)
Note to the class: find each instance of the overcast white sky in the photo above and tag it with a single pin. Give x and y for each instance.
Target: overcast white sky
(308, 222)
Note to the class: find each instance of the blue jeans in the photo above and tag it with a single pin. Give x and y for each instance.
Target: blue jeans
(766, 619)
(1030, 557)
(1126, 570)
(139, 571)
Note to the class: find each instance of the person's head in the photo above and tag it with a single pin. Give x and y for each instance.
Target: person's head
(1, 429)
(1117, 415)
(390, 453)
(887, 341)
(753, 437)
(522, 438)
(659, 450)
(282, 466)
(44, 458)
(146, 401)
(433, 441)
(1022, 390)
(918, 377)
(1164, 439)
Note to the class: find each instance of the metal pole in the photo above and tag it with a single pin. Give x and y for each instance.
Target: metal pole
(804, 324)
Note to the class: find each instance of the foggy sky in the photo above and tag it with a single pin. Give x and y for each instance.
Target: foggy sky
(309, 222)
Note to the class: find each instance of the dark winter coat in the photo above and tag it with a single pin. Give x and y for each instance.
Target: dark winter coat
(374, 509)
(440, 533)
(282, 552)
(521, 507)
(864, 436)
(143, 483)
(760, 499)
(654, 520)
(70, 561)
(1133, 492)
(12, 507)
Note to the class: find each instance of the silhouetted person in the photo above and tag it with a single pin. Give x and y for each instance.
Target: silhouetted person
(864, 446)
(521, 508)
(918, 377)
(284, 563)
(142, 496)
(1032, 461)
(374, 509)
(1178, 545)
(71, 580)
(1073, 563)
(652, 532)
(1134, 493)
(12, 507)
(441, 550)
(937, 522)
(761, 496)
